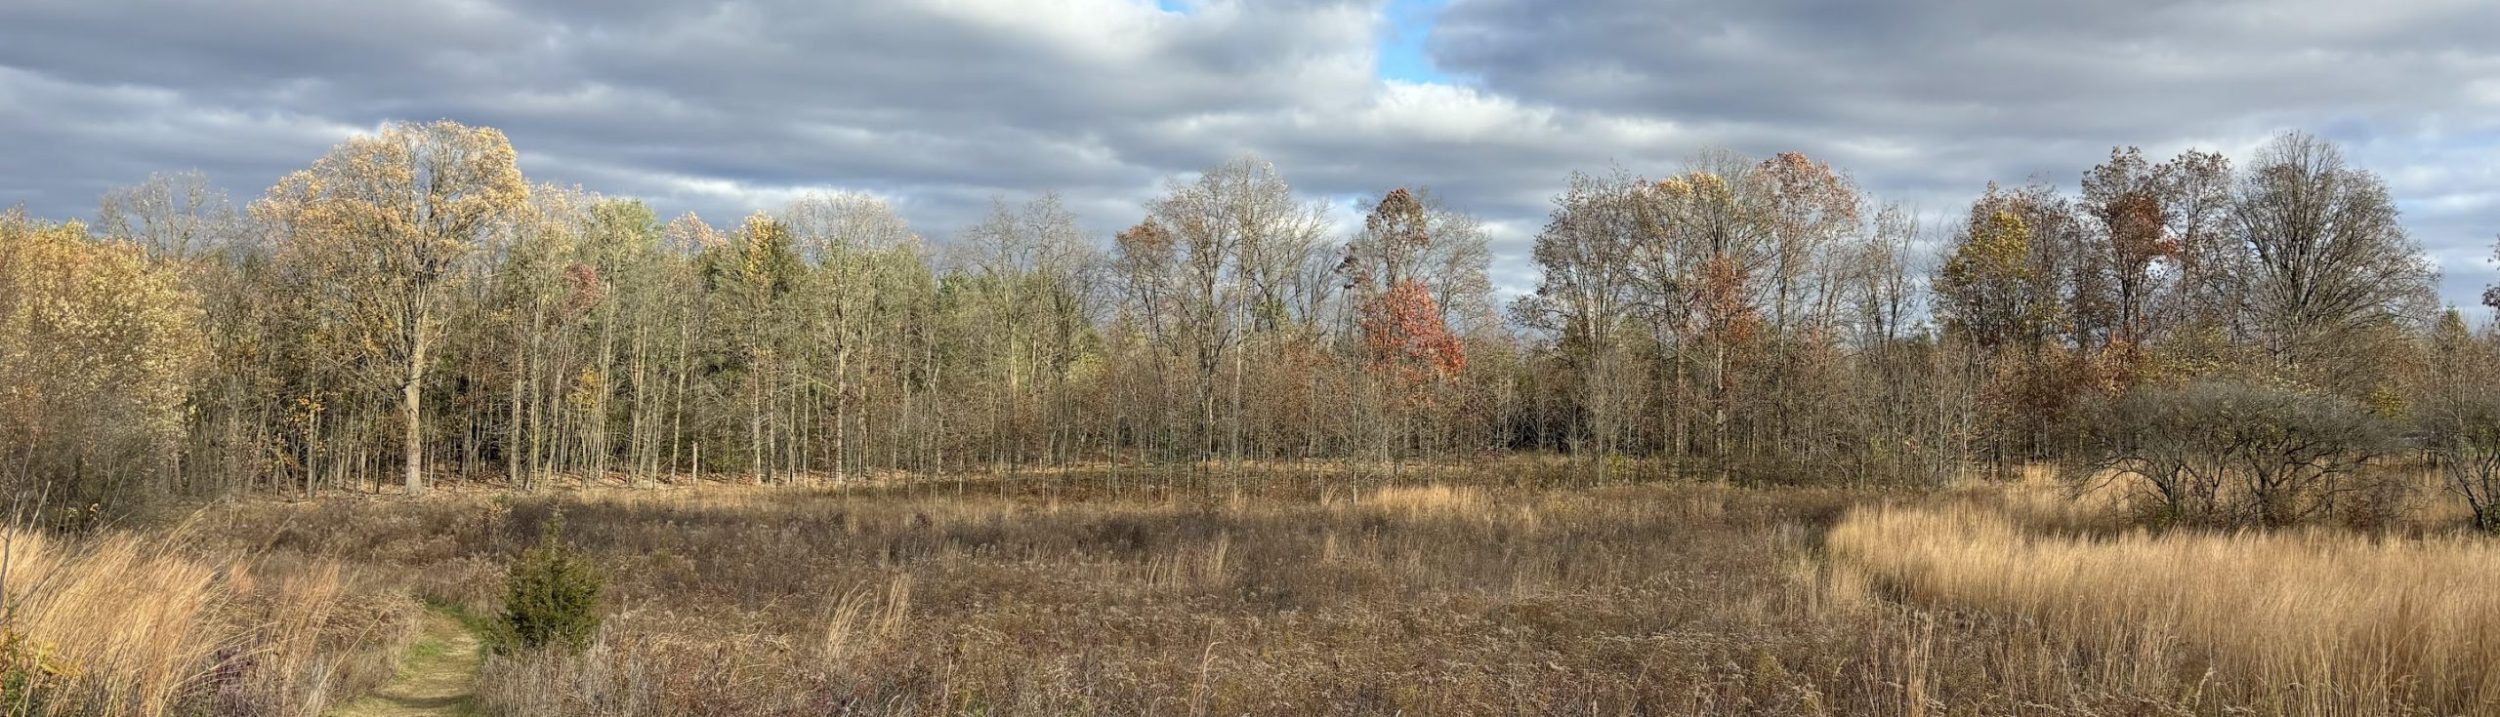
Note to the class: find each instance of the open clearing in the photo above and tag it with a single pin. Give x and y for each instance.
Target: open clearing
(1728, 436)
(1287, 595)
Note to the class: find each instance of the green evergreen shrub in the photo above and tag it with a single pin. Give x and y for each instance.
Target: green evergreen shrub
(551, 595)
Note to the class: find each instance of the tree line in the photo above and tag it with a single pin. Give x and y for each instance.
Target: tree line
(409, 308)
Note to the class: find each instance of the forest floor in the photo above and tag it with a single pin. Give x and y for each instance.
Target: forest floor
(437, 678)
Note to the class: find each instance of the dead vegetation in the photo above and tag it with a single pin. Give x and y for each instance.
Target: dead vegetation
(2315, 621)
(149, 624)
(1046, 597)
(1322, 594)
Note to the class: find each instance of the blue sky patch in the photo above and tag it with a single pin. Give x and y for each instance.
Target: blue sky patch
(1405, 52)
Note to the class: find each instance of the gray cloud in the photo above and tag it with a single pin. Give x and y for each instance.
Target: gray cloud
(1926, 100)
(729, 107)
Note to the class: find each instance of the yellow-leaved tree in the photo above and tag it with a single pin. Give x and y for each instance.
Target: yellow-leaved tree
(388, 225)
(97, 347)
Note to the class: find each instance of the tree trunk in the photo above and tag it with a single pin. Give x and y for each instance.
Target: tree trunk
(512, 433)
(755, 431)
(410, 414)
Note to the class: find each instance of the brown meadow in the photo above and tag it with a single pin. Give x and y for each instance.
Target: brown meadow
(1318, 594)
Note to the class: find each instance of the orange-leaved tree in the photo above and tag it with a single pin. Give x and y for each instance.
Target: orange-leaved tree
(1405, 339)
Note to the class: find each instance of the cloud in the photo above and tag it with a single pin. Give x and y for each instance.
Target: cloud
(1925, 100)
(729, 107)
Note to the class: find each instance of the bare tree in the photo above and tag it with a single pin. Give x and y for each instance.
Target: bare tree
(1811, 208)
(1027, 276)
(177, 216)
(1588, 295)
(1245, 253)
(2328, 260)
(852, 241)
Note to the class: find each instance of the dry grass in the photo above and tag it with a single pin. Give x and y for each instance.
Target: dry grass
(1485, 593)
(862, 621)
(1427, 500)
(1049, 597)
(130, 624)
(2315, 622)
(112, 626)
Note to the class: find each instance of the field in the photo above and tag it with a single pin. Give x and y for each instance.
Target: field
(1484, 592)
(1209, 358)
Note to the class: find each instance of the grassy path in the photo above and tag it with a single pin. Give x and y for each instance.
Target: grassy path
(438, 677)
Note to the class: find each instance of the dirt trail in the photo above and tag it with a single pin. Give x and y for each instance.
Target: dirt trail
(437, 679)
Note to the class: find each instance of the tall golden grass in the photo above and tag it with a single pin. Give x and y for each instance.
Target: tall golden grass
(1427, 500)
(111, 626)
(860, 621)
(125, 624)
(2306, 622)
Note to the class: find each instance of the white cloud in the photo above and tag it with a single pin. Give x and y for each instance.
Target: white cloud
(725, 107)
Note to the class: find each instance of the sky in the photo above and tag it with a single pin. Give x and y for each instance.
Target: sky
(943, 106)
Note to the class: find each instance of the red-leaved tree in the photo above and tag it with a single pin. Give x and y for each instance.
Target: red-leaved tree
(1405, 338)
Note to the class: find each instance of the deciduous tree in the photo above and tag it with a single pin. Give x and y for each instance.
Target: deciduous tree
(391, 222)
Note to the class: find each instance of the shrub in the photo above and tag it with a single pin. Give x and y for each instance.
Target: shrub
(2462, 434)
(551, 596)
(2236, 453)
